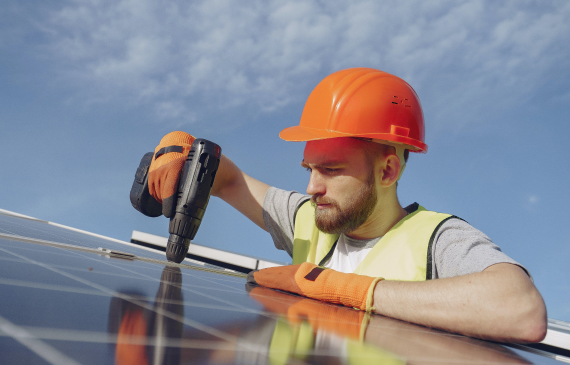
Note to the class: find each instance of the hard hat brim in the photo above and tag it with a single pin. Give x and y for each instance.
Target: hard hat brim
(304, 134)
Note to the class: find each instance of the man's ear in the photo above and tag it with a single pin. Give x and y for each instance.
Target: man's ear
(390, 170)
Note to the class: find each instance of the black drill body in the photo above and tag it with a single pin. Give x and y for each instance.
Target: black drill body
(194, 188)
(195, 185)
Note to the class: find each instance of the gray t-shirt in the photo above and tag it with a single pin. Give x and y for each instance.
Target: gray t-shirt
(458, 248)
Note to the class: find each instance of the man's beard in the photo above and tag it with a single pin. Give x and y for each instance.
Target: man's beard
(336, 219)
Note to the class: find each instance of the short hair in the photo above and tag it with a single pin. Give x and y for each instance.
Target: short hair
(372, 150)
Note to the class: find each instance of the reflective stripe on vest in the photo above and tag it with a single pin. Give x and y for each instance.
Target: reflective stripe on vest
(404, 253)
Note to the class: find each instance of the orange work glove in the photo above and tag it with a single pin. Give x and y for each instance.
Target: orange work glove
(165, 168)
(328, 285)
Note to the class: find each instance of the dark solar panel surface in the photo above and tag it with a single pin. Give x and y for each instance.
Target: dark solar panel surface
(45, 231)
(62, 305)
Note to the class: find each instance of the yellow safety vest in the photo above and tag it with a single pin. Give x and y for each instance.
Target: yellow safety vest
(403, 253)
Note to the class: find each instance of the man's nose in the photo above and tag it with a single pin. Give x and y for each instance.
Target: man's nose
(316, 184)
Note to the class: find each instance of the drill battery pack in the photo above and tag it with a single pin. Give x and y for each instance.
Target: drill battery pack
(140, 197)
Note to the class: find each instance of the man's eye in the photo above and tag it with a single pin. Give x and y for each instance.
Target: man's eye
(331, 169)
(308, 169)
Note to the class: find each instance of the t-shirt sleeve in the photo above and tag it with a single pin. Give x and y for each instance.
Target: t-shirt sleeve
(461, 249)
(279, 207)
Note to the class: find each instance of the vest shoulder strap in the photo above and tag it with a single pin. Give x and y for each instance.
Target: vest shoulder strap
(310, 244)
(404, 252)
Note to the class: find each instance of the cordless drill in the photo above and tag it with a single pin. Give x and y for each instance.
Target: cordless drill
(194, 188)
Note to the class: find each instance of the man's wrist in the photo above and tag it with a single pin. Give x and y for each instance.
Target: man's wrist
(371, 296)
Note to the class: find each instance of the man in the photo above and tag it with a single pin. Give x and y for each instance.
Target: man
(359, 125)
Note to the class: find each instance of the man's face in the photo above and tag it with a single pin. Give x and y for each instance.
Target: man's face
(342, 183)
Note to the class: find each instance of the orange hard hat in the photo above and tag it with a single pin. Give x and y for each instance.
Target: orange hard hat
(362, 102)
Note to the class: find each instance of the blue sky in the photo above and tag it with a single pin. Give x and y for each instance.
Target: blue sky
(87, 87)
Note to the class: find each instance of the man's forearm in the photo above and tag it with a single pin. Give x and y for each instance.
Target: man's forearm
(240, 190)
(500, 303)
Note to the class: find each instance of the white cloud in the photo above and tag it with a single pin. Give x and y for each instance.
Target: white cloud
(462, 57)
(531, 202)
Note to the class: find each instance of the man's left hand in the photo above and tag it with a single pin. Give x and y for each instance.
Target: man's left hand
(315, 282)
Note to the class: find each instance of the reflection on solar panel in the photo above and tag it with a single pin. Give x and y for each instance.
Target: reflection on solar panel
(66, 301)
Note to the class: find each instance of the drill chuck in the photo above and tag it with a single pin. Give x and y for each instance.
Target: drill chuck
(177, 248)
(182, 229)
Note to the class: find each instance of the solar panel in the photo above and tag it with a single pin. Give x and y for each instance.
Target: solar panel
(64, 300)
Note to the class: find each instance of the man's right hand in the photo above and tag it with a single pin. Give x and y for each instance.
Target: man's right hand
(165, 168)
